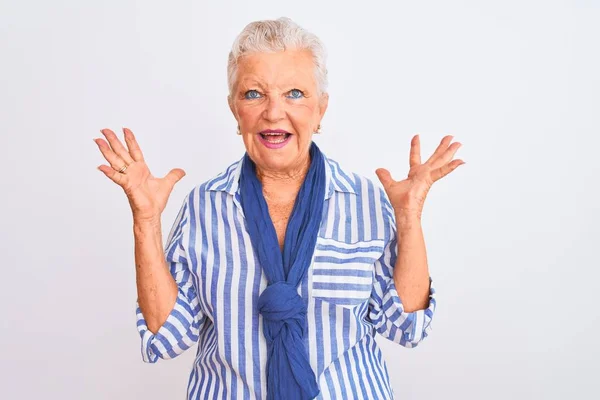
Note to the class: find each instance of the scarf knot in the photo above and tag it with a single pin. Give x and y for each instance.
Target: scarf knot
(283, 310)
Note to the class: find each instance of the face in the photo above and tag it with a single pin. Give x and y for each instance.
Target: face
(277, 106)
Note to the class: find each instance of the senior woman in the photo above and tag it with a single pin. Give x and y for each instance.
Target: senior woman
(283, 267)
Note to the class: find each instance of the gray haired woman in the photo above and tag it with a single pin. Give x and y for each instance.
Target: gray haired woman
(283, 267)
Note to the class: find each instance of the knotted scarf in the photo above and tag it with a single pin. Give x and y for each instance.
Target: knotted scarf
(289, 374)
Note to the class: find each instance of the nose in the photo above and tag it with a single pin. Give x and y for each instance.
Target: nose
(274, 109)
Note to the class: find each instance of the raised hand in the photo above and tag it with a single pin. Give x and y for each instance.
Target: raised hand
(147, 194)
(408, 196)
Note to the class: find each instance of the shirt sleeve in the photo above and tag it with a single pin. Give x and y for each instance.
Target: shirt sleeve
(180, 330)
(386, 310)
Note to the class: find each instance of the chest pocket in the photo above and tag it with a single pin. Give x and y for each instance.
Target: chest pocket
(343, 273)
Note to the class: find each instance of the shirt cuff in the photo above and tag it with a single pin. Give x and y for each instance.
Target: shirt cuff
(416, 325)
(176, 334)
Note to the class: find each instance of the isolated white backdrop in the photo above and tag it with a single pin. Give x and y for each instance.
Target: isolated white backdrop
(512, 235)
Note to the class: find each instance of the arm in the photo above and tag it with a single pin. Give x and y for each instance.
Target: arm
(168, 310)
(407, 248)
(388, 313)
(156, 288)
(411, 274)
(177, 315)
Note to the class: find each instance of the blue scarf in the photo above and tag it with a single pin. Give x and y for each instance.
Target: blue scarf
(289, 375)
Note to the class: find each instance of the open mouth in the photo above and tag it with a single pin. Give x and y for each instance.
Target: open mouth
(275, 137)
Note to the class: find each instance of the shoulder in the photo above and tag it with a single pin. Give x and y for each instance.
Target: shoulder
(224, 181)
(345, 180)
(358, 208)
(365, 196)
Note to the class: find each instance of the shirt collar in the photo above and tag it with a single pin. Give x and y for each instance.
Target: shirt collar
(336, 179)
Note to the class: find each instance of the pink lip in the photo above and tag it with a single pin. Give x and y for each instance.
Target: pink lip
(274, 145)
(273, 131)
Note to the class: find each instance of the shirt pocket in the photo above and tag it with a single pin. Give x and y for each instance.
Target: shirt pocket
(343, 273)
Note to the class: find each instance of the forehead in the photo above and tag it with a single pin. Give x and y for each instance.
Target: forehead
(278, 68)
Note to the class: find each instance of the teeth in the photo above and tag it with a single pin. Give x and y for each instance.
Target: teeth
(274, 137)
(279, 140)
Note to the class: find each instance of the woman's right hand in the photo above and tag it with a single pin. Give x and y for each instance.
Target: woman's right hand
(147, 194)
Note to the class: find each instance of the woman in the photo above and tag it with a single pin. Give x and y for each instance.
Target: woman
(284, 266)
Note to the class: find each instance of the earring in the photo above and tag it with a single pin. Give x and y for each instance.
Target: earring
(238, 130)
(318, 129)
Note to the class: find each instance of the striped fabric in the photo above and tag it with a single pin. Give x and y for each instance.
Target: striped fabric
(349, 292)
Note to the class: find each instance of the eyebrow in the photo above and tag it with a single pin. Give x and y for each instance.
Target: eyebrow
(252, 83)
(249, 83)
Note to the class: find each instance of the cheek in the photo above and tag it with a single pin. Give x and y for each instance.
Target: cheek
(303, 116)
(248, 114)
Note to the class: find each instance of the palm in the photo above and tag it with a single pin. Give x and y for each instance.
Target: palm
(409, 195)
(147, 194)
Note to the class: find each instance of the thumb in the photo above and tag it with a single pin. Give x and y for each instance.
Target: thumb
(175, 175)
(384, 177)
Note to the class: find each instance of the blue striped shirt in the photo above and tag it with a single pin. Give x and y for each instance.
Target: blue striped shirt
(349, 292)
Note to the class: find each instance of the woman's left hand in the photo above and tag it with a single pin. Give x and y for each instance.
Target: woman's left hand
(408, 196)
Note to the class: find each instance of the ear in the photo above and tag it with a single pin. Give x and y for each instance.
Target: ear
(323, 103)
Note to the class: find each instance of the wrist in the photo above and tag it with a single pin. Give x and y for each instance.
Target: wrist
(407, 215)
(407, 221)
(146, 223)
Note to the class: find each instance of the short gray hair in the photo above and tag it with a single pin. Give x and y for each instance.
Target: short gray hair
(273, 36)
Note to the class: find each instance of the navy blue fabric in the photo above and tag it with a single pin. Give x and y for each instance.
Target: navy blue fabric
(289, 375)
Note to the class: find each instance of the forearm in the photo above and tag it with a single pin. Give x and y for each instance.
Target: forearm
(411, 273)
(156, 288)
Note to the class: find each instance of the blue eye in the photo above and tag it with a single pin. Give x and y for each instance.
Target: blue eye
(252, 94)
(295, 94)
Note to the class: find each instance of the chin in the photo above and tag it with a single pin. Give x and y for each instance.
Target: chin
(281, 159)
(276, 162)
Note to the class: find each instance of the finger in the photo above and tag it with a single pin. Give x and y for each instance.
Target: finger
(415, 151)
(115, 161)
(441, 148)
(132, 145)
(444, 170)
(384, 177)
(175, 176)
(447, 155)
(117, 146)
(113, 175)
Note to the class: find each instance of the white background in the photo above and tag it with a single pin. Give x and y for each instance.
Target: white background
(512, 235)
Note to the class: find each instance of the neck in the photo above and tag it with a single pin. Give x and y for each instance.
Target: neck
(281, 186)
